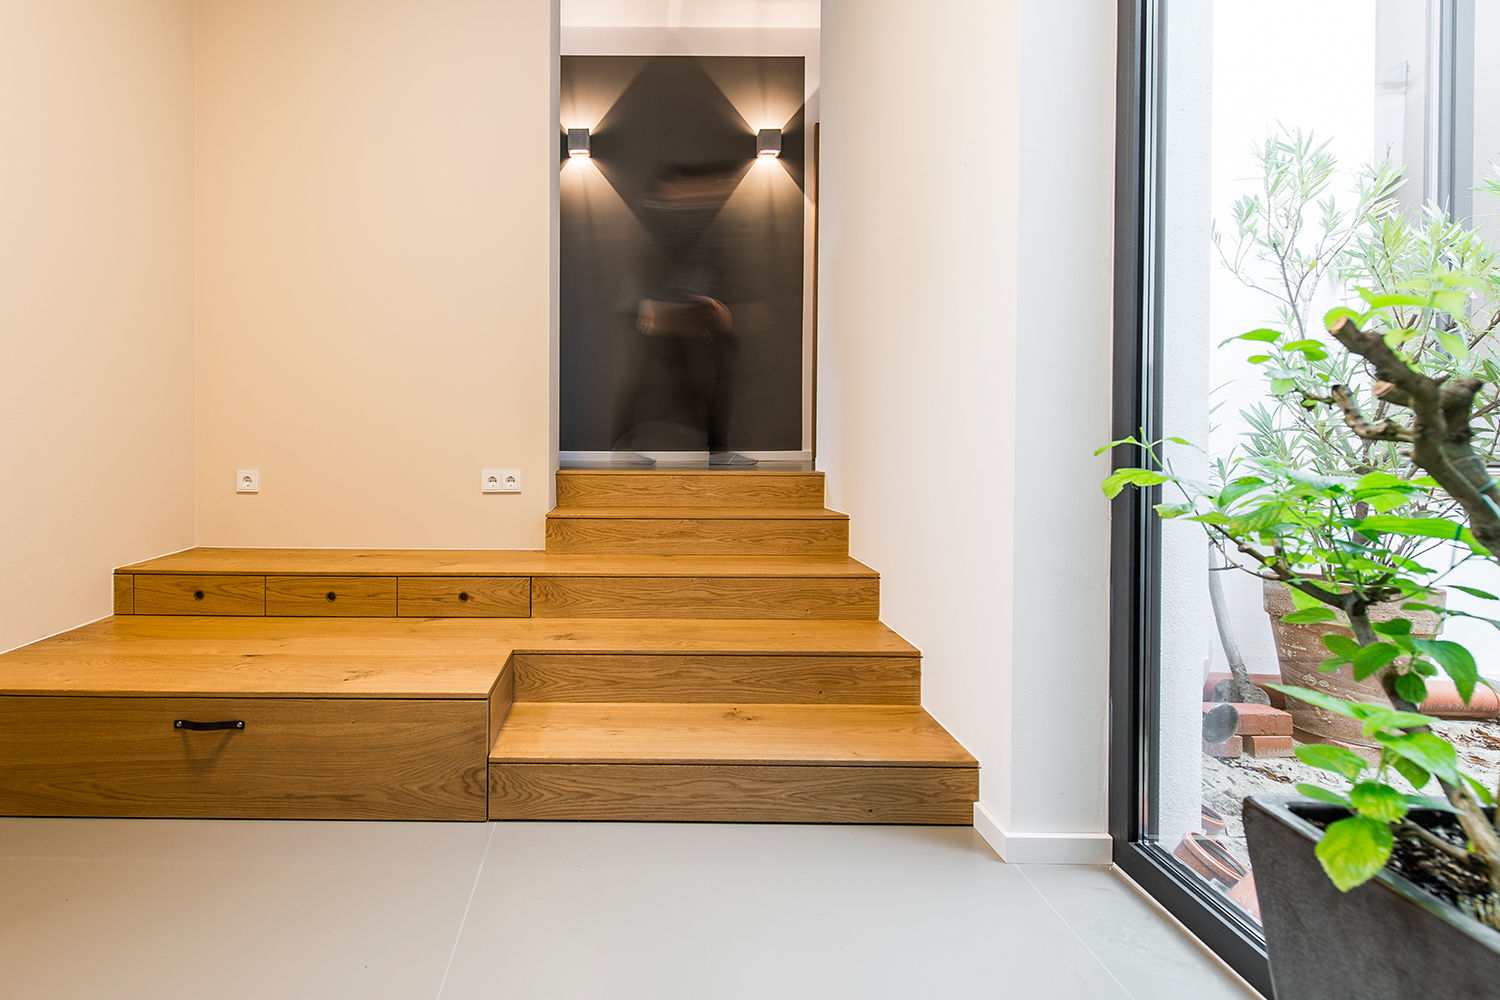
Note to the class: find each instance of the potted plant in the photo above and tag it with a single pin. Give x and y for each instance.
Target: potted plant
(1343, 545)
(1287, 241)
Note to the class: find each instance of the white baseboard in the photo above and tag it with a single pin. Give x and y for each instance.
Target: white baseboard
(1042, 848)
(679, 457)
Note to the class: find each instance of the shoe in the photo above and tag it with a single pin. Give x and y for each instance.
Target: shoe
(733, 458)
(635, 458)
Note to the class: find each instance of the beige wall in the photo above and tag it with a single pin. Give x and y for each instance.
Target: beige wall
(96, 300)
(375, 265)
(964, 375)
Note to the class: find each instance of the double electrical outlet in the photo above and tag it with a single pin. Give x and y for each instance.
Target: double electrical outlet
(500, 481)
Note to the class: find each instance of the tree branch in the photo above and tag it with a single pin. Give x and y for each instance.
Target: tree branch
(1386, 430)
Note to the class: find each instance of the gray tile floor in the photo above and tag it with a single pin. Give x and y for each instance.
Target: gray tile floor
(168, 909)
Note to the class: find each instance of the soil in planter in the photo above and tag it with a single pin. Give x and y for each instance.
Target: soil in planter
(1440, 874)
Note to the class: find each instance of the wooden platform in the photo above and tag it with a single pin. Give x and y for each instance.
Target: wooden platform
(756, 685)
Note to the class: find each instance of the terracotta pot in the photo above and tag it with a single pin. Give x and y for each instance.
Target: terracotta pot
(1386, 938)
(1300, 649)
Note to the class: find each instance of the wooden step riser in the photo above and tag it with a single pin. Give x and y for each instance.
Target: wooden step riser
(733, 793)
(788, 679)
(698, 536)
(689, 489)
(706, 597)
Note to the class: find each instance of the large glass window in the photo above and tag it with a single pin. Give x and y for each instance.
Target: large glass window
(1276, 157)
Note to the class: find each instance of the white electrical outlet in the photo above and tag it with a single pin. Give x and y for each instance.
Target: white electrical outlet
(247, 481)
(500, 481)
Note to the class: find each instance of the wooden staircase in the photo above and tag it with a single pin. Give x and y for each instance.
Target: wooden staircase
(790, 736)
(690, 646)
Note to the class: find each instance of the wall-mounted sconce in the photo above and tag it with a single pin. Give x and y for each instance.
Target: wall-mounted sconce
(768, 142)
(578, 142)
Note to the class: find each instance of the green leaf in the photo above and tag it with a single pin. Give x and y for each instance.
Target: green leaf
(1412, 688)
(1282, 386)
(1329, 664)
(1313, 350)
(1354, 850)
(1385, 300)
(1322, 794)
(1414, 773)
(1394, 627)
(1122, 478)
(1378, 801)
(1371, 658)
(1324, 701)
(1329, 758)
(1426, 750)
(1257, 359)
(1309, 616)
(1420, 527)
(1453, 344)
(1480, 792)
(1457, 661)
(1335, 316)
(1167, 511)
(1483, 595)
(1341, 645)
(1262, 335)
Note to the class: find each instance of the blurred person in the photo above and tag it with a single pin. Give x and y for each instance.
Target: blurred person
(686, 331)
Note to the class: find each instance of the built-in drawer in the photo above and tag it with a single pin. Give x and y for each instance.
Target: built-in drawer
(285, 758)
(199, 595)
(464, 596)
(332, 596)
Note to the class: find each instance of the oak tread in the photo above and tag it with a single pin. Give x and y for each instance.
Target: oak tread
(140, 655)
(616, 733)
(486, 562)
(696, 513)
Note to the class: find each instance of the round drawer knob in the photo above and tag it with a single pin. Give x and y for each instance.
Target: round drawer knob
(463, 595)
(197, 595)
(331, 596)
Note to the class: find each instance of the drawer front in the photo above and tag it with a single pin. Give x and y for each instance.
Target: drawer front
(199, 595)
(465, 596)
(295, 758)
(332, 596)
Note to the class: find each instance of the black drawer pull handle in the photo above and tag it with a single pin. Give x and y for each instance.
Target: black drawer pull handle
(201, 727)
(197, 595)
(331, 596)
(463, 595)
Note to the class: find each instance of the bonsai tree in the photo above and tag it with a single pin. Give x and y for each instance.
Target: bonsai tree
(1344, 543)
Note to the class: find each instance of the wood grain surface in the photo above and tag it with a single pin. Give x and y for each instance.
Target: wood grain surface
(463, 596)
(697, 536)
(124, 594)
(295, 758)
(705, 597)
(562, 732)
(331, 596)
(734, 793)
(706, 677)
(645, 488)
(482, 562)
(241, 594)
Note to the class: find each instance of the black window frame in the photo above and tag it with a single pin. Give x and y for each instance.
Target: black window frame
(1135, 542)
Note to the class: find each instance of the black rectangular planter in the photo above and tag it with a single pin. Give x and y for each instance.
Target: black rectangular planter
(1386, 938)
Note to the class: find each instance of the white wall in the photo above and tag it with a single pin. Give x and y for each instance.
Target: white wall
(96, 301)
(375, 266)
(964, 325)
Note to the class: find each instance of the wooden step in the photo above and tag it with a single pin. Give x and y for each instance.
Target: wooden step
(790, 678)
(809, 597)
(664, 488)
(698, 530)
(729, 763)
(552, 585)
